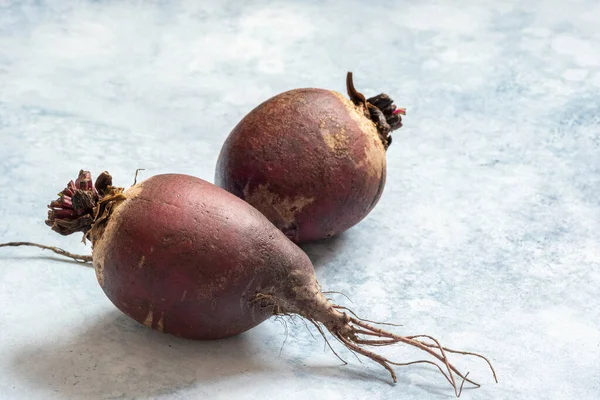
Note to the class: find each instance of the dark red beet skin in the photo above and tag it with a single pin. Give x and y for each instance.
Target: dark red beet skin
(311, 160)
(152, 258)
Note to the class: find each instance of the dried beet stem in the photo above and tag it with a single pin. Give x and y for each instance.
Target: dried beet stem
(77, 257)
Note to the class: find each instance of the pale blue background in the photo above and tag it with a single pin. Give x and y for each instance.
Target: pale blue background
(486, 235)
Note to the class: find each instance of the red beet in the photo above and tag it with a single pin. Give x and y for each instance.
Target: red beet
(184, 257)
(312, 161)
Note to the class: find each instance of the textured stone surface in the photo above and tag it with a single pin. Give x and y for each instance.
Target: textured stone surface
(486, 234)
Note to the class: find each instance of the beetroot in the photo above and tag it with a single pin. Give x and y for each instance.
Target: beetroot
(184, 257)
(312, 161)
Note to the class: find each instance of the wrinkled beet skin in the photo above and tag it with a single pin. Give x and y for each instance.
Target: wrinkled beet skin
(193, 255)
(281, 144)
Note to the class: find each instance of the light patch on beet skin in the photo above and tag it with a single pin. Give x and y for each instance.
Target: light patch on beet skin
(374, 153)
(149, 318)
(160, 325)
(358, 115)
(141, 262)
(374, 158)
(336, 141)
(99, 268)
(282, 209)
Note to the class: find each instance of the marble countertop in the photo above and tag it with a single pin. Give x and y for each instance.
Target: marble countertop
(486, 235)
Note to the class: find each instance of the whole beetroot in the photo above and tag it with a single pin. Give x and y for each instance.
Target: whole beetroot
(312, 161)
(184, 257)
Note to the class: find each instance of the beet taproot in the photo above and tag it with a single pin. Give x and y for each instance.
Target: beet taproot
(312, 161)
(184, 257)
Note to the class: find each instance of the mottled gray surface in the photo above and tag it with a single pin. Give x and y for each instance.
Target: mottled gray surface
(486, 235)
